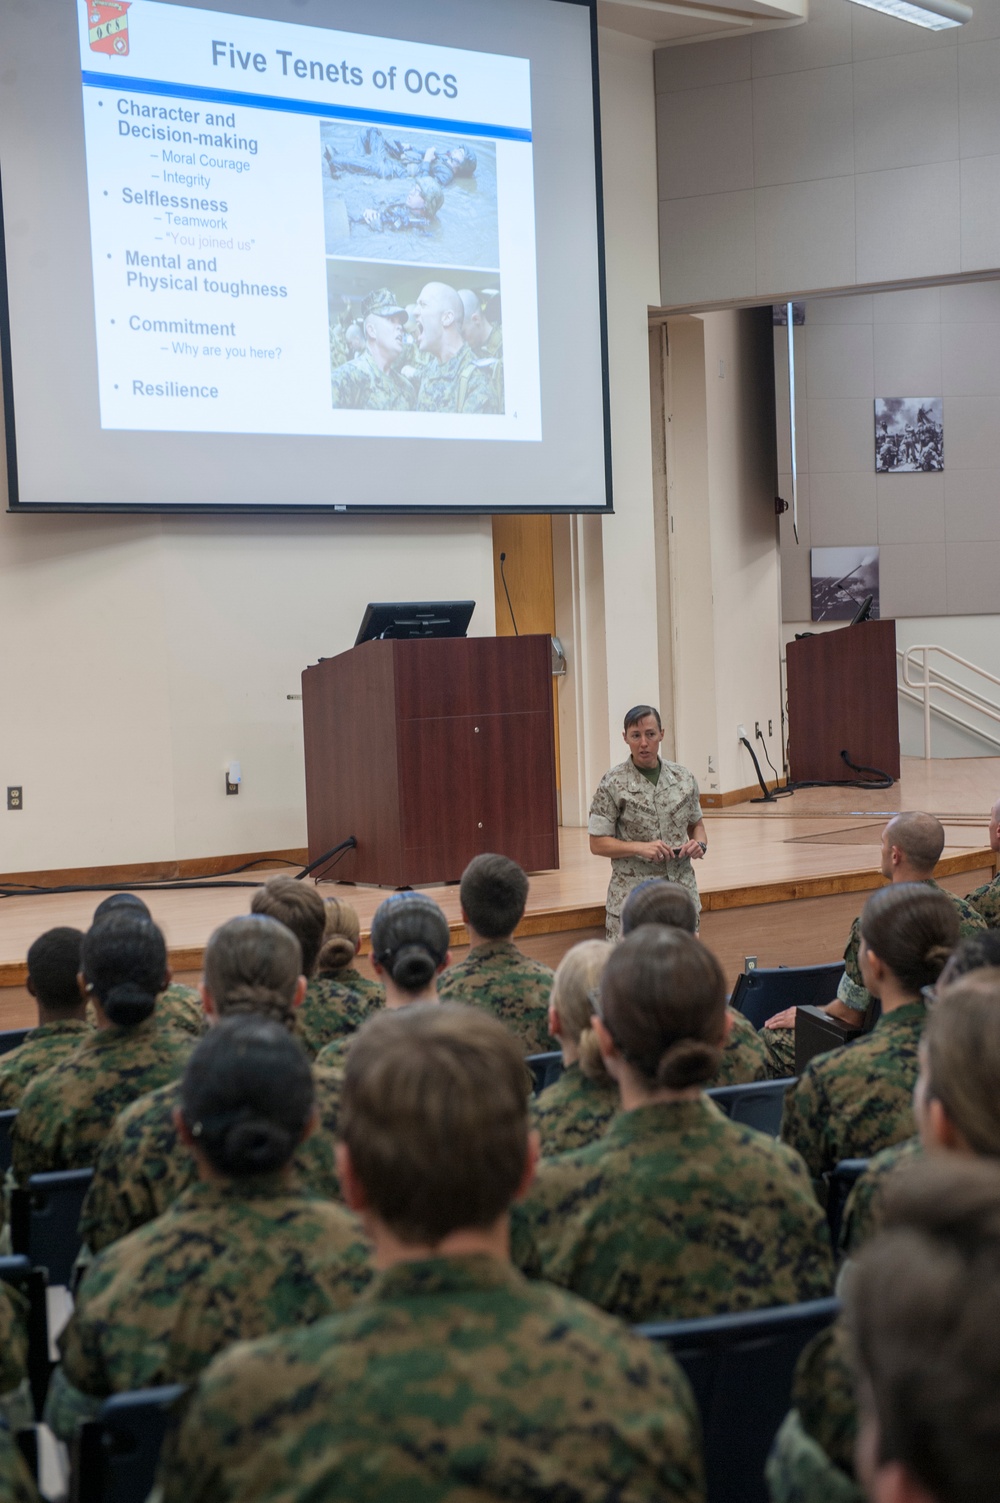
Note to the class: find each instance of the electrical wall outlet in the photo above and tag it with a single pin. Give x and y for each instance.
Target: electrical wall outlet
(15, 797)
(741, 732)
(749, 964)
(756, 730)
(231, 787)
(770, 727)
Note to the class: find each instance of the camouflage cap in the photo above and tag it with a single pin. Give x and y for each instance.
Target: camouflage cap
(382, 302)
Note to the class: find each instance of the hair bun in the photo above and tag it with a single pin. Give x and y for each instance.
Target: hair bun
(412, 967)
(128, 1004)
(337, 952)
(689, 1062)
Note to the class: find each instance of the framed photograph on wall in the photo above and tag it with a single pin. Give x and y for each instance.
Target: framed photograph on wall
(909, 435)
(842, 580)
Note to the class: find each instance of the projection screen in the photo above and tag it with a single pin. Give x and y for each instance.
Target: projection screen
(302, 255)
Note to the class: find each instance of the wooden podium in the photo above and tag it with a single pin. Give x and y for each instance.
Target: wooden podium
(842, 697)
(430, 751)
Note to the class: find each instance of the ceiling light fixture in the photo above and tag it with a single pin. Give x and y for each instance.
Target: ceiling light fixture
(935, 15)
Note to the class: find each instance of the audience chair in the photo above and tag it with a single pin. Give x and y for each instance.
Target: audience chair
(115, 1455)
(31, 1282)
(741, 1368)
(840, 1181)
(6, 1147)
(759, 994)
(12, 1038)
(44, 1219)
(545, 1069)
(756, 1105)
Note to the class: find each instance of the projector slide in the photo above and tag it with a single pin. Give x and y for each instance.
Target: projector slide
(307, 232)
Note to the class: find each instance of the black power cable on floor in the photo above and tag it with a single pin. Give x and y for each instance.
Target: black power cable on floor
(26, 890)
(878, 779)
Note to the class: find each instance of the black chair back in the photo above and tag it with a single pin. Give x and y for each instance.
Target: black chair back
(759, 994)
(545, 1069)
(115, 1455)
(6, 1147)
(44, 1221)
(840, 1181)
(31, 1282)
(756, 1105)
(741, 1368)
(12, 1038)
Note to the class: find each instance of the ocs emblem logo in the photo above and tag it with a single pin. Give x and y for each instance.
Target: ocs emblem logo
(108, 25)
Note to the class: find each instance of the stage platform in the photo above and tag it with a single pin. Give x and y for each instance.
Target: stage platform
(781, 881)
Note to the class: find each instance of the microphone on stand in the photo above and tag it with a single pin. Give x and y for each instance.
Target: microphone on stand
(503, 578)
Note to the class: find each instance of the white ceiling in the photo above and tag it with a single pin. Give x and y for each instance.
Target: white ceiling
(671, 21)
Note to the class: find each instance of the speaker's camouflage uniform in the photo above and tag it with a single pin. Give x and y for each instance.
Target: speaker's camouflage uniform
(43, 1047)
(852, 1102)
(335, 1006)
(677, 1212)
(66, 1114)
(514, 988)
(225, 1263)
(452, 1379)
(143, 1166)
(629, 807)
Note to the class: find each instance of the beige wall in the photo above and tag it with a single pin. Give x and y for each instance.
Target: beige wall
(724, 559)
(852, 150)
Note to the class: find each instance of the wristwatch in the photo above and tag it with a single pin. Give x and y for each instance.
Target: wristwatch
(704, 846)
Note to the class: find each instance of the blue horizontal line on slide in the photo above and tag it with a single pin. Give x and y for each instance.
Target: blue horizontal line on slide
(303, 107)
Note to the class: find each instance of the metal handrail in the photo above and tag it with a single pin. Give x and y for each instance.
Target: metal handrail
(934, 678)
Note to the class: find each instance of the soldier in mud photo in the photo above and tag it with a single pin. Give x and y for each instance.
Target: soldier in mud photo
(372, 381)
(378, 157)
(417, 211)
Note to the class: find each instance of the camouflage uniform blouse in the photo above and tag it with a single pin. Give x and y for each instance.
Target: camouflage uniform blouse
(497, 976)
(629, 807)
(986, 901)
(677, 1212)
(812, 1460)
(851, 990)
(451, 1379)
(65, 1115)
(573, 1111)
(16, 1485)
(143, 1166)
(180, 1007)
(13, 1339)
(225, 1263)
(335, 1006)
(851, 1102)
(43, 1047)
(862, 1208)
(744, 1058)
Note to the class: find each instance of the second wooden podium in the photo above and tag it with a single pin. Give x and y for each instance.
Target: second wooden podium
(431, 751)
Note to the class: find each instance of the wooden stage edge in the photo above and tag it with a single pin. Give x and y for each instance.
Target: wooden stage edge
(732, 917)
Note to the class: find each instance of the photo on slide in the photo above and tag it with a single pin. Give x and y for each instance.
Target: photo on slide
(428, 197)
(409, 338)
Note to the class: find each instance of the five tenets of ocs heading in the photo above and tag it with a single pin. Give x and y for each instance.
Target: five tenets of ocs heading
(413, 80)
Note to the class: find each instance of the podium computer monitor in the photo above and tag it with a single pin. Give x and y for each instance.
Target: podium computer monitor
(415, 618)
